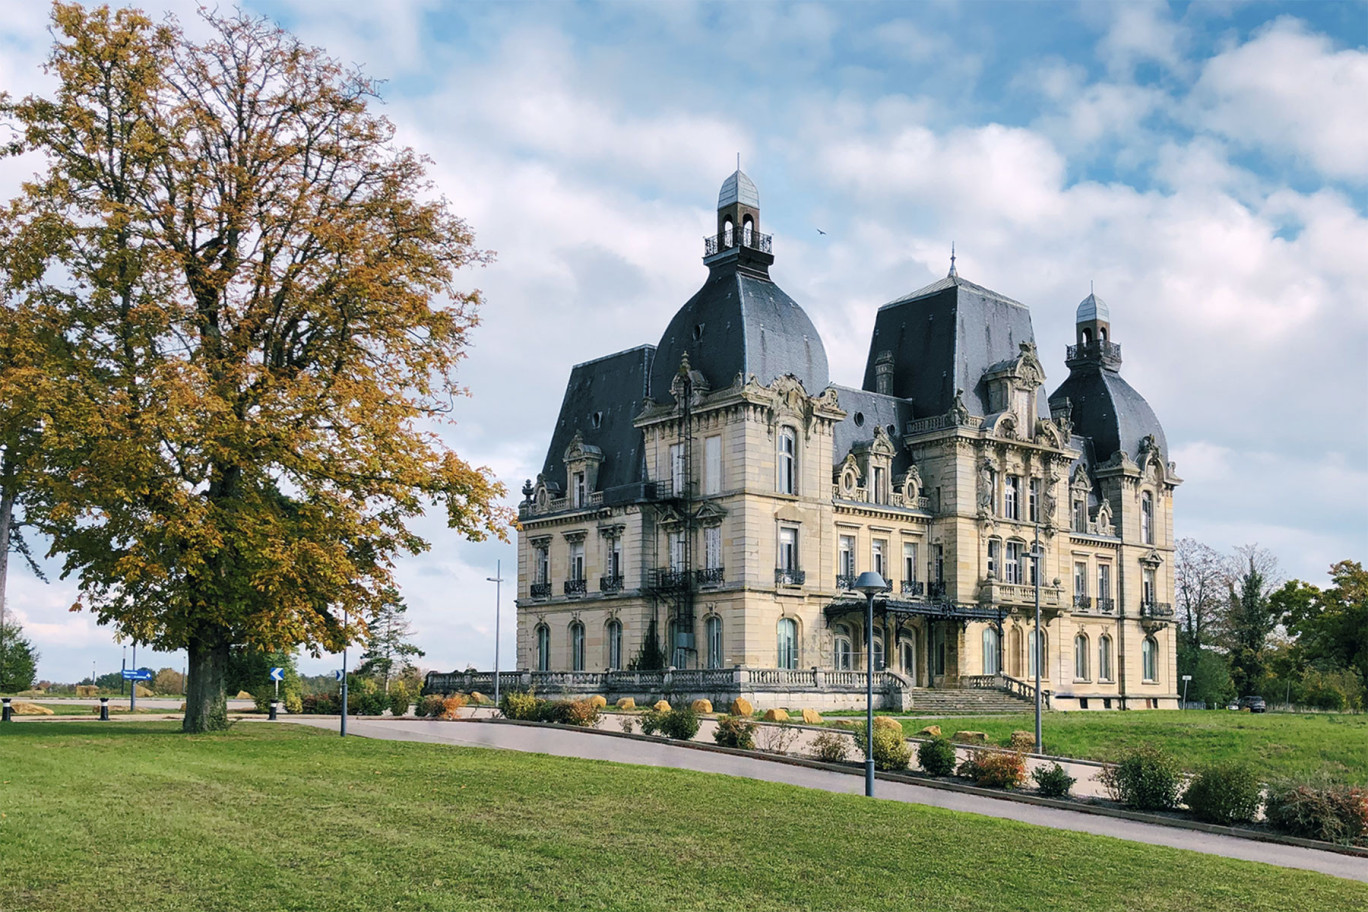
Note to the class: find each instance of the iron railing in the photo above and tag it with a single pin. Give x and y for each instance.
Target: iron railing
(1082, 603)
(710, 576)
(789, 577)
(1106, 605)
(670, 578)
(1108, 350)
(752, 239)
(913, 587)
(575, 588)
(541, 590)
(1156, 610)
(845, 581)
(610, 583)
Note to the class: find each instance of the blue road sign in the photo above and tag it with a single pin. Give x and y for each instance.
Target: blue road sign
(277, 674)
(337, 675)
(137, 674)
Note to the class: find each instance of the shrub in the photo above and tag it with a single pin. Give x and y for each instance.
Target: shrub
(999, 769)
(365, 698)
(1224, 793)
(324, 704)
(1331, 813)
(399, 699)
(584, 713)
(1052, 781)
(451, 706)
(430, 706)
(937, 756)
(831, 747)
(628, 724)
(516, 704)
(680, 724)
(1023, 742)
(891, 751)
(1146, 779)
(777, 739)
(734, 731)
(650, 721)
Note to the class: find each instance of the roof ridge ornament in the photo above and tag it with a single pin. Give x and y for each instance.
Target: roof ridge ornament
(953, 274)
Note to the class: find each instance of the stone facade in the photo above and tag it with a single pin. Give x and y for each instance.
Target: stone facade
(722, 504)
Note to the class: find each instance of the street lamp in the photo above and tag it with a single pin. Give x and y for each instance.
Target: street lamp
(869, 583)
(1037, 654)
(497, 580)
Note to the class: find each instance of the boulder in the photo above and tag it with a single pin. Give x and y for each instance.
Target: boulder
(1022, 741)
(742, 707)
(87, 690)
(626, 703)
(30, 709)
(244, 695)
(702, 707)
(970, 737)
(182, 707)
(931, 731)
(889, 723)
(812, 717)
(775, 715)
(662, 706)
(479, 699)
(596, 700)
(144, 692)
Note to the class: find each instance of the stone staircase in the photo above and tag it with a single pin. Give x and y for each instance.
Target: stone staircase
(965, 702)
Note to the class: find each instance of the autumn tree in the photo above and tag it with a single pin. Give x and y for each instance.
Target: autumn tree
(245, 294)
(1331, 625)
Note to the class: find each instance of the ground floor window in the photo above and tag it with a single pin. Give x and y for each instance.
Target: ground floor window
(788, 643)
(991, 651)
(614, 645)
(577, 646)
(1035, 654)
(543, 648)
(908, 656)
(1080, 658)
(843, 653)
(714, 630)
(1149, 655)
(1104, 658)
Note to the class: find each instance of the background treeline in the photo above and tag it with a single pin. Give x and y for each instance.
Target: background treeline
(1245, 631)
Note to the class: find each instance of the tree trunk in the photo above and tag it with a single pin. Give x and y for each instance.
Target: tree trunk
(206, 703)
(6, 517)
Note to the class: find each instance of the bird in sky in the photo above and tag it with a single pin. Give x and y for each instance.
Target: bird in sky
(820, 231)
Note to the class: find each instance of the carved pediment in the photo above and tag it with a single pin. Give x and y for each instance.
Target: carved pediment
(848, 476)
(910, 484)
(579, 451)
(882, 445)
(1151, 559)
(710, 514)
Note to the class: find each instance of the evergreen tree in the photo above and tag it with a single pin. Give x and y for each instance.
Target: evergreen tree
(18, 659)
(1250, 618)
(389, 652)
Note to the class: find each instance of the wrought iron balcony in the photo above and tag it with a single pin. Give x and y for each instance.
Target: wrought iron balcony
(936, 590)
(670, 578)
(1107, 351)
(541, 590)
(913, 587)
(845, 581)
(752, 239)
(1106, 605)
(1156, 610)
(710, 576)
(576, 588)
(610, 583)
(788, 577)
(1082, 604)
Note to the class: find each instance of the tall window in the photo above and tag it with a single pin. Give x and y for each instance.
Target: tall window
(877, 558)
(1149, 659)
(681, 644)
(1011, 497)
(712, 547)
(991, 651)
(676, 542)
(677, 468)
(1080, 658)
(847, 556)
(580, 493)
(843, 652)
(938, 563)
(542, 564)
(712, 465)
(937, 652)
(1147, 518)
(727, 233)
(1035, 654)
(577, 646)
(543, 648)
(1147, 586)
(1104, 658)
(1080, 578)
(614, 560)
(747, 227)
(880, 481)
(909, 562)
(788, 643)
(713, 628)
(1104, 581)
(994, 557)
(788, 462)
(1080, 514)
(577, 560)
(1032, 565)
(1033, 500)
(878, 651)
(788, 548)
(908, 657)
(1016, 560)
(614, 633)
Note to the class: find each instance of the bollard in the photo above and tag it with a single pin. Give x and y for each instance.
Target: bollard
(104, 709)
(275, 706)
(7, 713)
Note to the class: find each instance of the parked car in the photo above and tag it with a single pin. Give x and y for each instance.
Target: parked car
(1253, 704)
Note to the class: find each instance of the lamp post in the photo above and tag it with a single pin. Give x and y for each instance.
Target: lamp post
(1037, 654)
(343, 726)
(868, 584)
(497, 580)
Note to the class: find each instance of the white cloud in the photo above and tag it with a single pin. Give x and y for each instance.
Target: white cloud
(1140, 33)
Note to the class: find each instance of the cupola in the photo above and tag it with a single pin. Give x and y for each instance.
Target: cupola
(1092, 335)
(738, 237)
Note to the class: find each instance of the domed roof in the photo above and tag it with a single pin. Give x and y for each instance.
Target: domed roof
(1092, 308)
(1109, 411)
(738, 189)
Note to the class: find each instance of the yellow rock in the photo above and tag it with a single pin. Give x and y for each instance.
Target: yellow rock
(887, 722)
(931, 731)
(1022, 741)
(87, 690)
(595, 699)
(144, 692)
(30, 709)
(662, 706)
(775, 715)
(478, 698)
(812, 717)
(244, 695)
(701, 706)
(626, 703)
(970, 737)
(742, 707)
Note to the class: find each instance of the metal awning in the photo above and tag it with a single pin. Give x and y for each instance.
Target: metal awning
(898, 608)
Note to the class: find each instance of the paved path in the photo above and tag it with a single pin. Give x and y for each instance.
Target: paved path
(569, 743)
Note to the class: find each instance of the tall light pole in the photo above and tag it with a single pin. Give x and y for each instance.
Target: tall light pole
(344, 673)
(868, 584)
(1037, 654)
(497, 580)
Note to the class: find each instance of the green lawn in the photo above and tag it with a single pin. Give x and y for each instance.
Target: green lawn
(1274, 743)
(135, 816)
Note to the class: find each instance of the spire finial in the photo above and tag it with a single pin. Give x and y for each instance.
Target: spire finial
(1091, 290)
(953, 273)
(738, 161)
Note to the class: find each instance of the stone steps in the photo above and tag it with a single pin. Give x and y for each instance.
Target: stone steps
(951, 702)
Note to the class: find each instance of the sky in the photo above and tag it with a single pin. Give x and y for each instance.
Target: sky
(1203, 167)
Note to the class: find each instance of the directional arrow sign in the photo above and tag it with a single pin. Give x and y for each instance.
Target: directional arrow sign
(277, 674)
(337, 675)
(137, 674)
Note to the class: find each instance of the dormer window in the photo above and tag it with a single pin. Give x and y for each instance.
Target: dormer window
(787, 477)
(880, 492)
(578, 489)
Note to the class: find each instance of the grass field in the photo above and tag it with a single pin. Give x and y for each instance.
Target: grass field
(1276, 744)
(133, 815)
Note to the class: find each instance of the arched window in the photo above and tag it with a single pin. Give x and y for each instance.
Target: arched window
(1104, 658)
(1015, 650)
(843, 654)
(714, 632)
(1149, 659)
(1147, 518)
(577, 646)
(907, 648)
(1087, 337)
(991, 651)
(787, 481)
(1101, 334)
(1035, 654)
(727, 233)
(614, 632)
(543, 648)
(747, 230)
(879, 664)
(1080, 658)
(788, 643)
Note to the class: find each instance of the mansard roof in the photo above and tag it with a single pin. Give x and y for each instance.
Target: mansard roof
(602, 398)
(866, 411)
(1109, 411)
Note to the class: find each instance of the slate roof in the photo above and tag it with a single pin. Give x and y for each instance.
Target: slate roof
(1109, 411)
(602, 398)
(943, 337)
(738, 189)
(875, 410)
(1092, 308)
(740, 322)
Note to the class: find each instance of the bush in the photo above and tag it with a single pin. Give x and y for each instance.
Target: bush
(1146, 779)
(937, 756)
(365, 698)
(651, 720)
(1330, 813)
(584, 713)
(777, 739)
(1224, 793)
(734, 731)
(324, 704)
(430, 706)
(399, 698)
(1052, 781)
(891, 751)
(998, 769)
(452, 705)
(830, 747)
(516, 704)
(680, 724)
